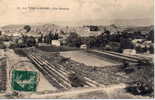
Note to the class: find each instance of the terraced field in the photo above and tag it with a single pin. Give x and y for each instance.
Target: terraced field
(58, 67)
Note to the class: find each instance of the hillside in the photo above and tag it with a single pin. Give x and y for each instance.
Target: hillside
(63, 30)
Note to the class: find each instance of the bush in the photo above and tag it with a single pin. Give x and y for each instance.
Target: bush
(76, 81)
(2, 46)
(74, 40)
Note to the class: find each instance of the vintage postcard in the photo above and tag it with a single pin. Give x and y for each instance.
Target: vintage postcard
(76, 49)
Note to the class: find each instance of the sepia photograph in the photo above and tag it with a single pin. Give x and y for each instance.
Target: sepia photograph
(77, 49)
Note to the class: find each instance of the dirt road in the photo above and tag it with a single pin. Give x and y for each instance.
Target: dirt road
(110, 92)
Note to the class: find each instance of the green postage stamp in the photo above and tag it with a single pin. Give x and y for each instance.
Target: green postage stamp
(24, 80)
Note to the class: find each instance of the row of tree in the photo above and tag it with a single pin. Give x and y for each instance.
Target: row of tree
(48, 38)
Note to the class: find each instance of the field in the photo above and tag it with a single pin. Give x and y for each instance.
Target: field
(80, 73)
(109, 75)
(89, 59)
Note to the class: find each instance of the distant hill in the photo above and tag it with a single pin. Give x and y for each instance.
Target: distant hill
(142, 28)
(64, 30)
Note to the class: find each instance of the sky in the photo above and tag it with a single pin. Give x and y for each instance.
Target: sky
(76, 12)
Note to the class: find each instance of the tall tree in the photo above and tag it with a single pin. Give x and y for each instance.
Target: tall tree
(27, 28)
(74, 40)
(151, 36)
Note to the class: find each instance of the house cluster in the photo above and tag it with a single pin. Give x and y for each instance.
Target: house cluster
(140, 46)
(142, 43)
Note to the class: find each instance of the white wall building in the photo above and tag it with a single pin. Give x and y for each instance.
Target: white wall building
(129, 51)
(55, 43)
